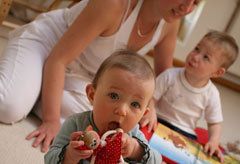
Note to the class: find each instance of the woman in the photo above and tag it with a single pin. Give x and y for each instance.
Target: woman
(71, 44)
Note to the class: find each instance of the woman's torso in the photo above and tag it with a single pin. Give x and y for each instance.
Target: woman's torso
(102, 47)
(49, 27)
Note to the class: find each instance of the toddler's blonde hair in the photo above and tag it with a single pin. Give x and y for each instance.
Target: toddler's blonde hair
(228, 45)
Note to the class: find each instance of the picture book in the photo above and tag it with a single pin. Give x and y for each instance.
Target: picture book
(182, 150)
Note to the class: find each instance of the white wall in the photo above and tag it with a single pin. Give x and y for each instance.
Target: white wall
(235, 31)
(215, 15)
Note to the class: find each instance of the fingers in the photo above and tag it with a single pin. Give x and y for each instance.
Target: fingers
(75, 135)
(220, 155)
(47, 141)
(38, 140)
(210, 149)
(76, 144)
(33, 134)
(144, 122)
(206, 148)
(213, 150)
(152, 125)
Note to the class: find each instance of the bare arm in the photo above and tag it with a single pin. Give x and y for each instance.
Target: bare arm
(214, 131)
(212, 146)
(163, 59)
(163, 51)
(93, 21)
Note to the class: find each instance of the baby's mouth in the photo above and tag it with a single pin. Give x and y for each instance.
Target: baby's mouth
(113, 125)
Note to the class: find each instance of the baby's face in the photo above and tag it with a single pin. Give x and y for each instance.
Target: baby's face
(204, 60)
(120, 100)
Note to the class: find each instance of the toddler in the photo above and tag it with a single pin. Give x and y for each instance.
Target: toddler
(182, 95)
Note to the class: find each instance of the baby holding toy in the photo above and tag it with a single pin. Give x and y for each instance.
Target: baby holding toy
(120, 94)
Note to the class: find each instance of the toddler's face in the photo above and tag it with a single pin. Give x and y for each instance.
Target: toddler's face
(120, 100)
(204, 60)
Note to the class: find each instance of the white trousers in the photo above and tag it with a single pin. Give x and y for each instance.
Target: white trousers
(21, 69)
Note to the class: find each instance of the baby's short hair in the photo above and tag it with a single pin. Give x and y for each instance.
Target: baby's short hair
(126, 60)
(228, 45)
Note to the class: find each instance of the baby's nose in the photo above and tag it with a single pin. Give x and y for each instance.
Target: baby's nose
(122, 109)
(196, 58)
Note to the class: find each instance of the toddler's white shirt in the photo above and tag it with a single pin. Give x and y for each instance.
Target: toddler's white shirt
(183, 105)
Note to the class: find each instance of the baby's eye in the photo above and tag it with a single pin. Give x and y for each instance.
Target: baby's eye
(135, 104)
(113, 96)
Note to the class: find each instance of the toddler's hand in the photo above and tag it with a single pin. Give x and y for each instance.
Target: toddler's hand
(213, 148)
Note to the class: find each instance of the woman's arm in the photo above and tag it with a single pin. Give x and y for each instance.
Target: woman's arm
(93, 21)
(163, 59)
(163, 51)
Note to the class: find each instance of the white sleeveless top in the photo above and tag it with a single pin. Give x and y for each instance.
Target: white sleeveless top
(49, 27)
(102, 47)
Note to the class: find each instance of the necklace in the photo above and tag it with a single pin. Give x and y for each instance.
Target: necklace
(140, 34)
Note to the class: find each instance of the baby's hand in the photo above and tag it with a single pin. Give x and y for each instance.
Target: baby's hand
(213, 148)
(73, 153)
(128, 145)
(131, 148)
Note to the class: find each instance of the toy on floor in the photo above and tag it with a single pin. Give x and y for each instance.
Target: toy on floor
(234, 147)
(107, 149)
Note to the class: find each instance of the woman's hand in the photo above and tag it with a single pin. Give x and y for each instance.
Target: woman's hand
(44, 134)
(150, 120)
(150, 117)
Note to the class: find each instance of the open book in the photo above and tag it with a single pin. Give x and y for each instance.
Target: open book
(182, 150)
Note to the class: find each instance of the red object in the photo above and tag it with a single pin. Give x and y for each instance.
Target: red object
(83, 147)
(147, 134)
(202, 135)
(111, 152)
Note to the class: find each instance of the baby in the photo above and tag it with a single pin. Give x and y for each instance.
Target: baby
(120, 94)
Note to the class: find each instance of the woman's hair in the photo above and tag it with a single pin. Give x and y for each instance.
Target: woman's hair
(228, 45)
(126, 60)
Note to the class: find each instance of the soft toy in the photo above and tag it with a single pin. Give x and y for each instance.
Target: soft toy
(91, 140)
(107, 149)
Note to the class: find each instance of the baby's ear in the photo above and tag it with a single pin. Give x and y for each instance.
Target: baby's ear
(90, 91)
(220, 72)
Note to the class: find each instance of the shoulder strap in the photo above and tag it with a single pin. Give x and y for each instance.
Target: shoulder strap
(126, 12)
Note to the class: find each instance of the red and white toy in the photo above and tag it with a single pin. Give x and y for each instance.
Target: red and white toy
(107, 149)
